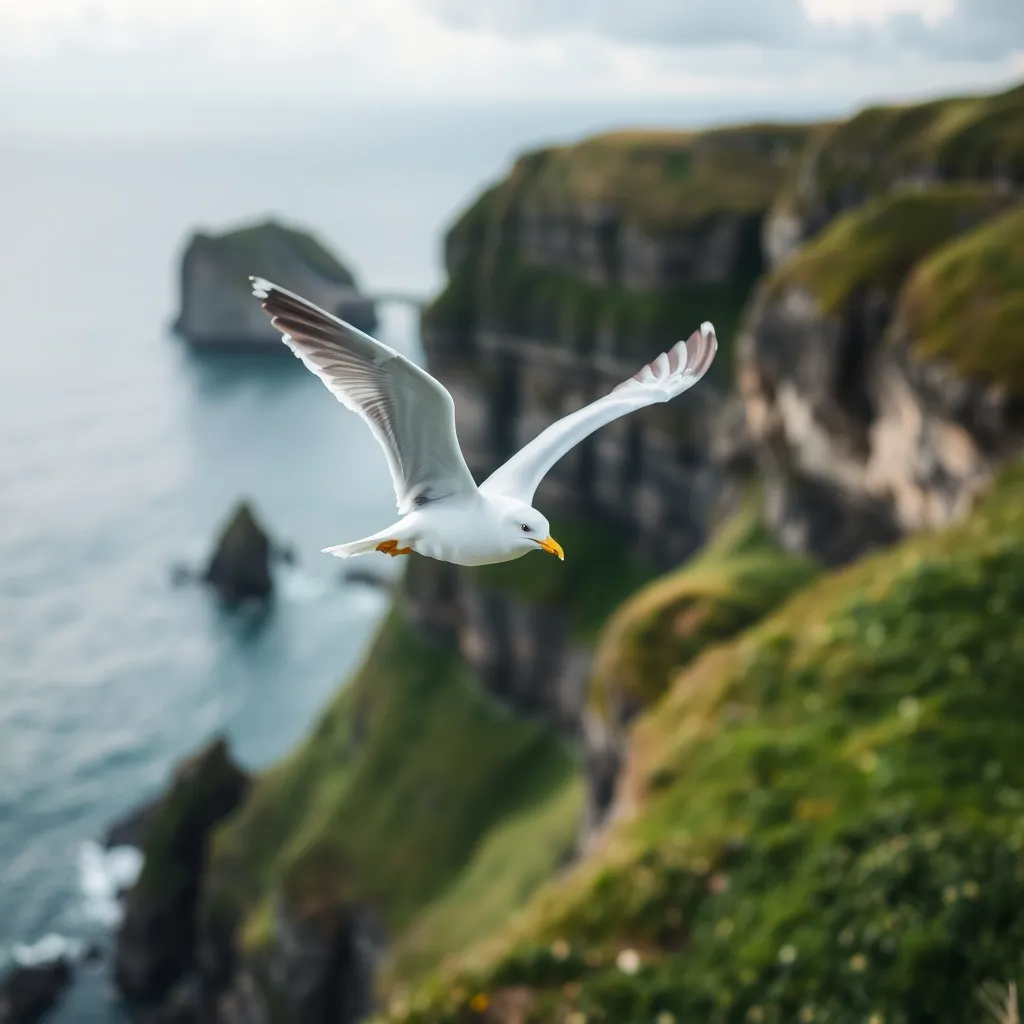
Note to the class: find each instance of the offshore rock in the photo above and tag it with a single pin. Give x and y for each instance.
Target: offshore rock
(217, 306)
(156, 943)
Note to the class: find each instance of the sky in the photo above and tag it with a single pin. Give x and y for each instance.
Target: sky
(76, 61)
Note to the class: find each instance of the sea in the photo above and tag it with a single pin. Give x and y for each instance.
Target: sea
(122, 452)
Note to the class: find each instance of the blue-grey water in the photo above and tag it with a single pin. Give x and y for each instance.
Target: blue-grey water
(121, 452)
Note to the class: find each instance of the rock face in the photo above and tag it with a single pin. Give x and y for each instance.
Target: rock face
(156, 943)
(239, 567)
(27, 994)
(323, 970)
(582, 264)
(217, 307)
(863, 434)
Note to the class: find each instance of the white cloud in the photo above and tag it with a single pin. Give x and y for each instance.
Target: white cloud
(743, 55)
(876, 12)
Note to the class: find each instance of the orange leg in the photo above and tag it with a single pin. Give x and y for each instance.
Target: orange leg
(390, 547)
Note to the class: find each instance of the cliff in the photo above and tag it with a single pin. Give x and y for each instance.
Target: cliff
(759, 787)
(879, 399)
(217, 308)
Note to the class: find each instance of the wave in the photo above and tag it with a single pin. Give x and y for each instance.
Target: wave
(49, 949)
(102, 876)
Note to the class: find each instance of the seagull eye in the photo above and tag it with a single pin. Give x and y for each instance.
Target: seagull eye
(524, 527)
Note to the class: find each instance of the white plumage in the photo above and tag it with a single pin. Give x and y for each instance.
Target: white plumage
(444, 514)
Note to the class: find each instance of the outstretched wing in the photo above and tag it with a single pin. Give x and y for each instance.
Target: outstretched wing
(667, 376)
(410, 413)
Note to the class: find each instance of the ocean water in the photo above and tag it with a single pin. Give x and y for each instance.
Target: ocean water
(121, 452)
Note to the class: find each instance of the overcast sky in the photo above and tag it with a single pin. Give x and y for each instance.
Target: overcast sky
(74, 60)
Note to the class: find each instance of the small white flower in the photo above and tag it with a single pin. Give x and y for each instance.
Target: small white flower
(628, 961)
(560, 949)
(787, 954)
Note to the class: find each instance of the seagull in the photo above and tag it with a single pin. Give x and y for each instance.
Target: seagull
(445, 515)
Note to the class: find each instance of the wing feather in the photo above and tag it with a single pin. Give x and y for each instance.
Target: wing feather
(408, 411)
(662, 379)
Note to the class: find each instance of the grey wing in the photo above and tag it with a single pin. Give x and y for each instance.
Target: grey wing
(410, 413)
(661, 380)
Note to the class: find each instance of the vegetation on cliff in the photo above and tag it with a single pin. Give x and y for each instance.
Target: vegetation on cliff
(385, 801)
(825, 816)
(739, 576)
(417, 794)
(958, 139)
(636, 237)
(879, 243)
(965, 304)
(662, 181)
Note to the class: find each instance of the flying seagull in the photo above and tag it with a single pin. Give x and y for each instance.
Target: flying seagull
(444, 514)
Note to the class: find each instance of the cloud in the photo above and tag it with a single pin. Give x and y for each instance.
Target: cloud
(977, 30)
(952, 30)
(649, 61)
(660, 22)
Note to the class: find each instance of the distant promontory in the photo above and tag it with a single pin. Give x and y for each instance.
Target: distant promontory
(217, 308)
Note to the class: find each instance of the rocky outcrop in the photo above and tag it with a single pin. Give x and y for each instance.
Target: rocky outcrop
(322, 971)
(28, 993)
(156, 943)
(217, 307)
(239, 568)
(862, 437)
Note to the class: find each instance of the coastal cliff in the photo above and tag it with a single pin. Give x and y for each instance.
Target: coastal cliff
(739, 762)
(217, 309)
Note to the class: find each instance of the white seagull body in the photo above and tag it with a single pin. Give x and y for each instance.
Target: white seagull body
(444, 514)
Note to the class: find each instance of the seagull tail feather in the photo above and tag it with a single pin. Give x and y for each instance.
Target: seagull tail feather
(356, 547)
(388, 538)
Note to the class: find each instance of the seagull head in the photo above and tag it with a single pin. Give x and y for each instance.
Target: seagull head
(528, 530)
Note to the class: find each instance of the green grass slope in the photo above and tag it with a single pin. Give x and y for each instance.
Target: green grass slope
(416, 793)
(739, 576)
(824, 818)
(385, 801)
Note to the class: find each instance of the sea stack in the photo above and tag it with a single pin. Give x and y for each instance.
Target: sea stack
(239, 568)
(217, 307)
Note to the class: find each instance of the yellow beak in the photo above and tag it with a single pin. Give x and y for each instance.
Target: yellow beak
(552, 547)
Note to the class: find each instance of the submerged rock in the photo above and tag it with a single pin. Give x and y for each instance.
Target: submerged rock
(156, 943)
(217, 307)
(29, 992)
(240, 565)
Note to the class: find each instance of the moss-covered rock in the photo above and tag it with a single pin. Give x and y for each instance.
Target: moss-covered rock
(826, 815)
